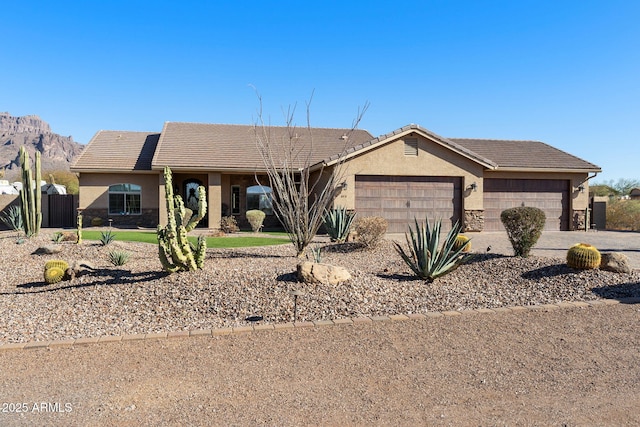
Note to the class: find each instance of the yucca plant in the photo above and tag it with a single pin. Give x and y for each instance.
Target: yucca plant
(338, 222)
(426, 258)
(119, 258)
(107, 237)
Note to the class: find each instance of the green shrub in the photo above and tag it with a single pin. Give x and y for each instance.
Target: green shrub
(119, 258)
(228, 224)
(338, 222)
(623, 215)
(426, 257)
(96, 221)
(107, 237)
(255, 218)
(370, 230)
(524, 227)
(12, 218)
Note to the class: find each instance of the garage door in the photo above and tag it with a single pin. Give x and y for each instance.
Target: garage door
(552, 196)
(400, 199)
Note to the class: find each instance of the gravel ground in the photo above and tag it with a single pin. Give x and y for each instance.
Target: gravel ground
(241, 283)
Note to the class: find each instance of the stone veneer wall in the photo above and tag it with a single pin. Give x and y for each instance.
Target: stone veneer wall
(579, 220)
(148, 218)
(473, 220)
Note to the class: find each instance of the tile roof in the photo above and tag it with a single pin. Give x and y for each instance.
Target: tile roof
(233, 147)
(117, 151)
(508, 154)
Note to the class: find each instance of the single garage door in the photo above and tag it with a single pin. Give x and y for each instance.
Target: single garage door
(552, 196)
(400, 199)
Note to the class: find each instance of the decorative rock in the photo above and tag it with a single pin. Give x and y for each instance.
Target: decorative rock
(616, 262)
(313, 272)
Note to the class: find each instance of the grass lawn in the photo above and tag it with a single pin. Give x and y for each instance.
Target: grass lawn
(237, 241)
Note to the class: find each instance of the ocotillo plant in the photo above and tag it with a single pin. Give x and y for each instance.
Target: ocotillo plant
(174, 249)
(30, 196)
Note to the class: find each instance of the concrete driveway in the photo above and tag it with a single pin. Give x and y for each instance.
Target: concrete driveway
(554, 244)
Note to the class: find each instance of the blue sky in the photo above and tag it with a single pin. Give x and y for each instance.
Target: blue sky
(564, 72)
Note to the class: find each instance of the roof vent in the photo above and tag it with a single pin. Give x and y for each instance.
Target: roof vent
(344, 137)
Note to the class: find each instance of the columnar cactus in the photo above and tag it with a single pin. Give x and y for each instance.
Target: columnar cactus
(174, 249)
(30, 197)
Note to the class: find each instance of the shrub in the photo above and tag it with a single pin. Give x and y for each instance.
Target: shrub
(524, 227)
(12, 218)
(338, 222)
(228, 224)
(317, 254)
(96, 221)
(370, 230)
(57, 237)
(624, 215)
(107, 237)
(119, 258)
(426, 258)
(255, 218)
(583, 256)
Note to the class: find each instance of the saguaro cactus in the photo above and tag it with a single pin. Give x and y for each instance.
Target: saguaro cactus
(174, 249)
(30, 196)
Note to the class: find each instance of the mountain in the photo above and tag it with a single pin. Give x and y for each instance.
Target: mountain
(57, 152)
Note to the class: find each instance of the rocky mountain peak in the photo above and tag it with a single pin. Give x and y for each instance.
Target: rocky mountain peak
(57, 152)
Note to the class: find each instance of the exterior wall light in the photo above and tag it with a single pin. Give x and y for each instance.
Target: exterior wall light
(473, 186)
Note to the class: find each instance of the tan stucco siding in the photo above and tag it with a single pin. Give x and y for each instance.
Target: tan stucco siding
(579, 199)
(432, 160)
(215, 200)
(94, 189)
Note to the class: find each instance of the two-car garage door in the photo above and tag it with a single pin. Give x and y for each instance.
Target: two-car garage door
(400, 199)
(552, 196)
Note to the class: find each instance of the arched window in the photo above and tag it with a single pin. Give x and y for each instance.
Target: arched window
(259, 197)
(124, 199)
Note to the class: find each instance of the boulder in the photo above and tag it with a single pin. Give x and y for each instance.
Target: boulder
(313, 272)
(616, 262)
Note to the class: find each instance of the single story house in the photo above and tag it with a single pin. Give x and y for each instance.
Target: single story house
(410, 172)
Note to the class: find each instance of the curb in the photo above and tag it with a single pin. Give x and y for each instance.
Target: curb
(310, 324)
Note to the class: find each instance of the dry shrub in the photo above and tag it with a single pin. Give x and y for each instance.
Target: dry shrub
(228, 224)
(623, 215)
(255, 218)
(370, 230)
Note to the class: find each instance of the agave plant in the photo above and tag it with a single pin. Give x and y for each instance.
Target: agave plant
(338, 223)
(13, 218)
(106, 237)
(119, 258)
(426, 257)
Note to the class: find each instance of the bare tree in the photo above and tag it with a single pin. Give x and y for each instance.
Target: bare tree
(302, 190)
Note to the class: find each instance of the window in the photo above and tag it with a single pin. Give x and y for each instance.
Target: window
(235, 200)
(411, 146)
(124, 199)
(259, 197)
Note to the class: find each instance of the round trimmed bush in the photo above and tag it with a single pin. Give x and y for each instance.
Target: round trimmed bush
(524, 225)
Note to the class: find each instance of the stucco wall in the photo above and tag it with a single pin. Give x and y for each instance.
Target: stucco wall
(94, 197)
(432, 160)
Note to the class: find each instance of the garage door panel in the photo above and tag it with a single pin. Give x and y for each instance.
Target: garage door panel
(401, 199)
(552, 196)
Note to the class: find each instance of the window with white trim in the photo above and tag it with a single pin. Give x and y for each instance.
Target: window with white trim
(235, 200)
(124, 199)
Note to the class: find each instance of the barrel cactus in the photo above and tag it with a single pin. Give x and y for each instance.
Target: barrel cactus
(53, 275)
(462, 241)
(583, 256)
(64, 265)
